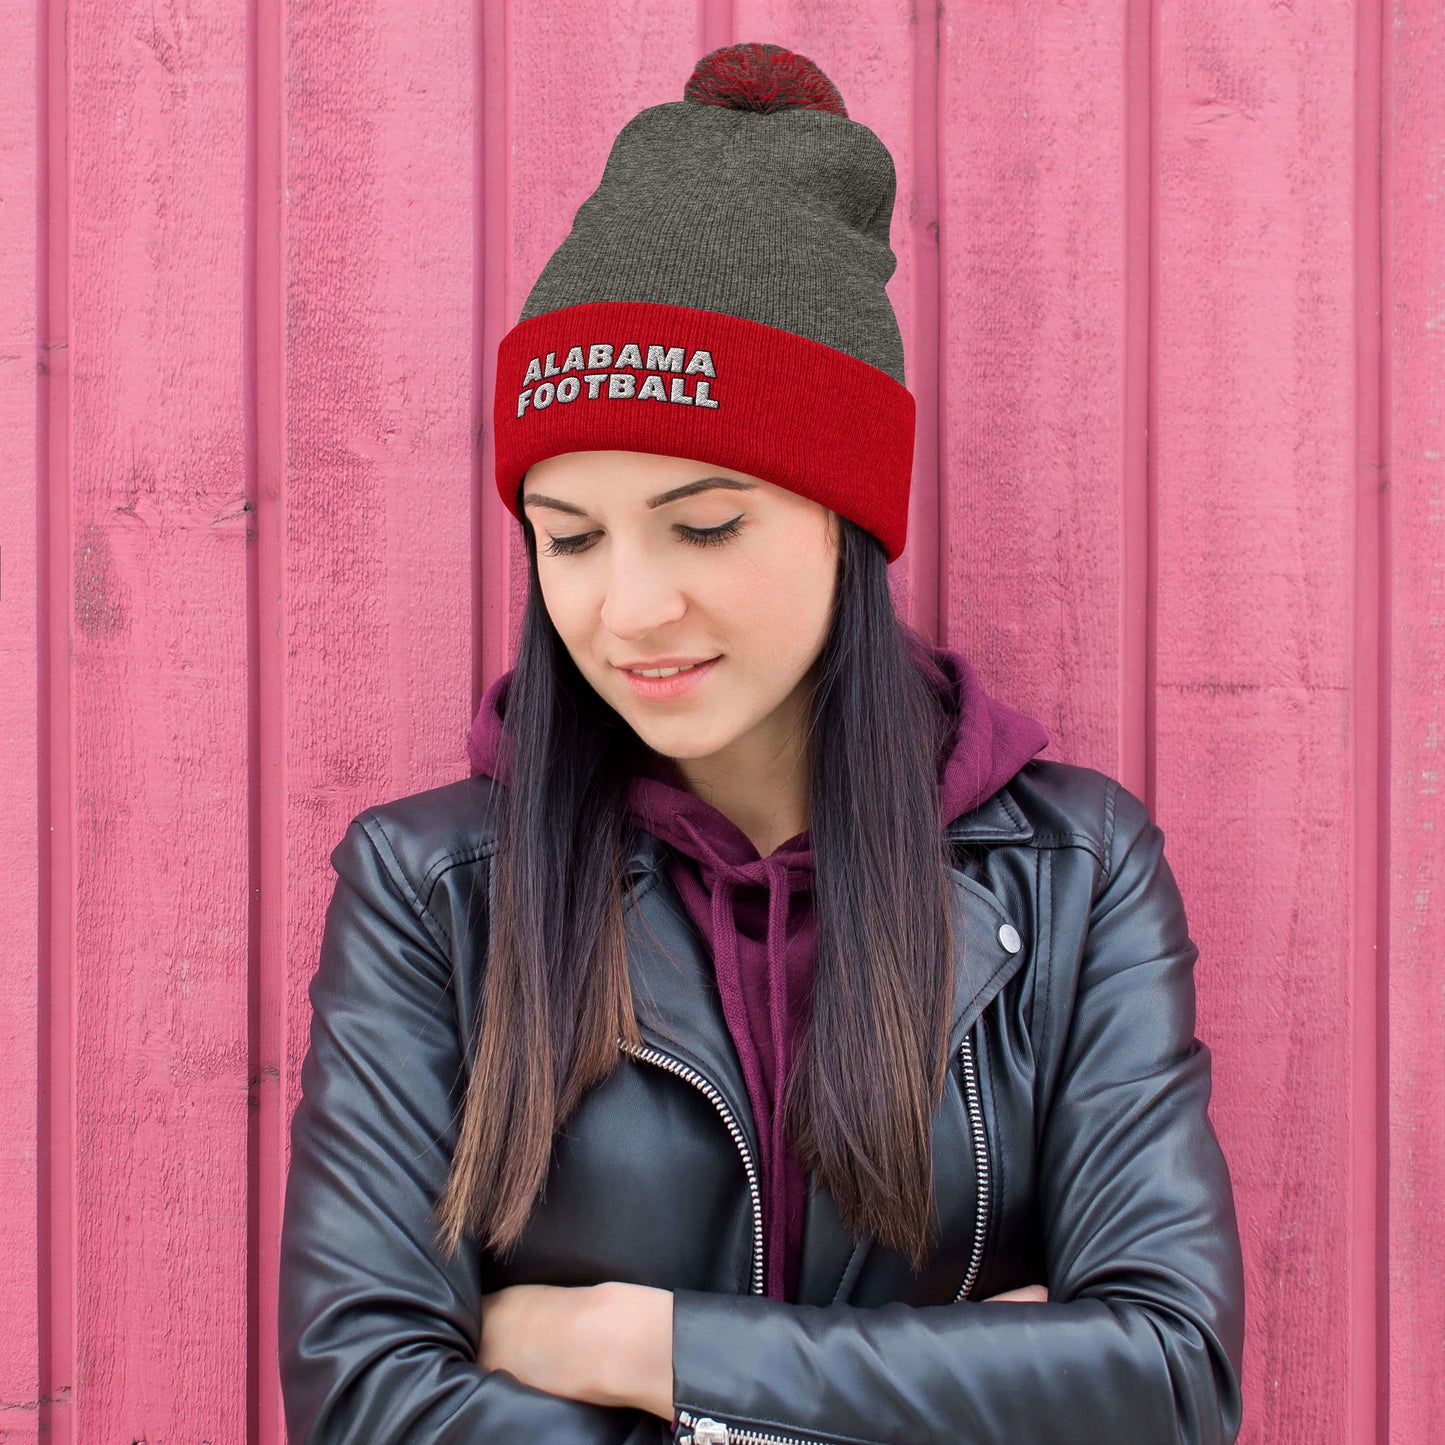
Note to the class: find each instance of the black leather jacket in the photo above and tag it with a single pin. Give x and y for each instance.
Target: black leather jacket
(1072, 1149)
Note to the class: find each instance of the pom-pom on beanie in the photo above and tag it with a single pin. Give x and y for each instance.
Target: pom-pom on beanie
(720, 296)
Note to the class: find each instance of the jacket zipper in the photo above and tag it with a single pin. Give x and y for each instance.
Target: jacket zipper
(980, 1159)
(704, 1430)
(676, 1066)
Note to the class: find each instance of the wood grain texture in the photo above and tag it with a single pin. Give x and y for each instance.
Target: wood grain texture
(1414, 377)
(21, 465)
(157, 639)
(1169, 282)
(1254, 455)
(1032, 291)
(376, 546)
(367, 532)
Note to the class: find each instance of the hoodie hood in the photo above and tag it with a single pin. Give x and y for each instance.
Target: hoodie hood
(757, 913)
(986, 744)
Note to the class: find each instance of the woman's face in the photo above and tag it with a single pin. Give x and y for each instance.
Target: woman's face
(652, 561)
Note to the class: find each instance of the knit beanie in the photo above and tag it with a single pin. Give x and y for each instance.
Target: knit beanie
(720, 297)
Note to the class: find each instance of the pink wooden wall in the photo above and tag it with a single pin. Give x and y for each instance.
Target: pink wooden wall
(1171, 277)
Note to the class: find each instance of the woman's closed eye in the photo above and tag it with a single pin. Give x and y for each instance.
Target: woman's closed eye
(697, 536)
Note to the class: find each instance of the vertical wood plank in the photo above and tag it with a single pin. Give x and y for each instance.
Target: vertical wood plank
(268, 985)
(20, 708)
(1255, 395)
(494, 532)
(157, 638)
(375, 532)
(55, 1083)
(1032, 168)
(1414, 229)
(1366, 1210)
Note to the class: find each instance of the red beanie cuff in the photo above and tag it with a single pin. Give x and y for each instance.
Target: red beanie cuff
(649, 377)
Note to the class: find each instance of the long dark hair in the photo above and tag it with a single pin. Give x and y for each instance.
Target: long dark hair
(859, 1103)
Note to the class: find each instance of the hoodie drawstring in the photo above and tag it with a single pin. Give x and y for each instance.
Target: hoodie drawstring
(772, 874)
(778, 900)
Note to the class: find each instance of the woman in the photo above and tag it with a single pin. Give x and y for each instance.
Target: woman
(763, 1002)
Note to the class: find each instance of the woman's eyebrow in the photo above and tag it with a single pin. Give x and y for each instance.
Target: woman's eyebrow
(688, 489)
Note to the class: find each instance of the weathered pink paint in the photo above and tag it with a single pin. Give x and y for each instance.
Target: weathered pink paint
(1254, 475)
(156, 490)
(364, 516)
(1169, 281)
(1409, 1174)
(23, 943)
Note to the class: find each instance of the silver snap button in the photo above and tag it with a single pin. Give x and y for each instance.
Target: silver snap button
(1008, 935)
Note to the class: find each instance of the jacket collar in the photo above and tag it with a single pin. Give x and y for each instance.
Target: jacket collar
(996, 820)
(678, 1007)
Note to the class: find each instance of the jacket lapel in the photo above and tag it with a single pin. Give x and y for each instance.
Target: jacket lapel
(985, 964)
(674, 987)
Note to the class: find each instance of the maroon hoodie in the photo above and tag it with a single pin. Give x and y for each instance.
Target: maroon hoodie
(757, 913)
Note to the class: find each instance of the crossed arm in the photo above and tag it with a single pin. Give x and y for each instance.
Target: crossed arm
(606, 1344)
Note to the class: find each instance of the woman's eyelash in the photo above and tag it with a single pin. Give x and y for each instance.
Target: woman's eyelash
(698, 536)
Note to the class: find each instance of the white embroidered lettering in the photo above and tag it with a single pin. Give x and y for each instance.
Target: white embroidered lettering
(622, 385)
(660, 360)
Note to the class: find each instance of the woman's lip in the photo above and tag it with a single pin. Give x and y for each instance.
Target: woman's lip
(659, 689)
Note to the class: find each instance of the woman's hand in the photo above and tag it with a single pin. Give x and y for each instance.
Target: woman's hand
(540, 1333)
(606, 1344)
(1036, 1292)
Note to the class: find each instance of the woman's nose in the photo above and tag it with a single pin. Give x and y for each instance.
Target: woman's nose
(640, 598)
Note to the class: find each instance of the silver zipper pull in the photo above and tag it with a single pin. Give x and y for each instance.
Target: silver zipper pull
(704, 1431)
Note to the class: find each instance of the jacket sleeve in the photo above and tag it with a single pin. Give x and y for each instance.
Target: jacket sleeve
(1142, 1335)
(378, 1330)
